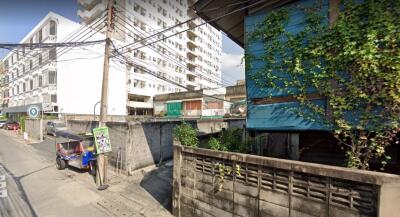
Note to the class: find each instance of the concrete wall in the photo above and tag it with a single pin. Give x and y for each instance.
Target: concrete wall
(34, 128)
(145, 143)
(276, 187)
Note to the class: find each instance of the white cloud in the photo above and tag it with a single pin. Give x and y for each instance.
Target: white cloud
(232, 68)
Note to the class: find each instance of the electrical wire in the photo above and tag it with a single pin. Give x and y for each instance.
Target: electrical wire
(126, 60)
(190, 28)
(172, 59)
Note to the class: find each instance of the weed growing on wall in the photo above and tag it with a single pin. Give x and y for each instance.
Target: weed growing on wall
(223, 171)
(186, 135)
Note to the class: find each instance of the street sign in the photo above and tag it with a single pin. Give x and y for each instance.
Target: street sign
(33, 111)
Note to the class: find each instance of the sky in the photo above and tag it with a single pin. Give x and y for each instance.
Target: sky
(18, 18)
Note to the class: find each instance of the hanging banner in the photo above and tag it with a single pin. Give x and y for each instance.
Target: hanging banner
(102, 140)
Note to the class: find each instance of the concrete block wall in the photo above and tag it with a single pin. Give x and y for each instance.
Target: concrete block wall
(142, 143)
(276, 187)
(34, 128)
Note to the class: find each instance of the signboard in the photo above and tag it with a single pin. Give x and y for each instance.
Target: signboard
(102, 140)
(47, 107)
(33, 111)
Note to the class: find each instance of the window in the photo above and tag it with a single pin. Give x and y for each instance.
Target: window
(52, 77)
(53, 54)
(24, 87)
(53, 28)
(40, 59)
(40, 82)
(30, 84)
(40, 35)
(30, 64)
(23, 69)
(53, 98)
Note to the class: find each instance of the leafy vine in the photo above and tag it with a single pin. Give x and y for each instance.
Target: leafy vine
(354, 64)
(223, 171)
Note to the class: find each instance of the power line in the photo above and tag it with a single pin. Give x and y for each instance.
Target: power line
(124, 59)
(190, 28)
(50, 45)
(171, 59)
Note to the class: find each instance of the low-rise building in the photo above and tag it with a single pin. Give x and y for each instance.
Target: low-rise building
(217, 102)
(3, 87)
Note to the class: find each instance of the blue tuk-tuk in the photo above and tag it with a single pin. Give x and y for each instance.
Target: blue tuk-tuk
(77, 151)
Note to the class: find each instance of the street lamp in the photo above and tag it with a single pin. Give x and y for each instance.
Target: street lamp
(94, 110)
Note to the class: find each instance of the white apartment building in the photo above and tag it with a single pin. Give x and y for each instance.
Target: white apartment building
(192, 59)
(62, 80)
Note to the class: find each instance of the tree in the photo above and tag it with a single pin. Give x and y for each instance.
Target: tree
(354, 64)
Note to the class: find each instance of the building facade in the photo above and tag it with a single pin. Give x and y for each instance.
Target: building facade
(3, 86)
(205, 103)
(192, 59)
(60, 80)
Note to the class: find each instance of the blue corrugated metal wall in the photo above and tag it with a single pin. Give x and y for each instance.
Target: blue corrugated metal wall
(276, 116)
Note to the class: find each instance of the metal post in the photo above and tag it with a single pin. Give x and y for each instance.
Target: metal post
(94, 110)
(101, 174)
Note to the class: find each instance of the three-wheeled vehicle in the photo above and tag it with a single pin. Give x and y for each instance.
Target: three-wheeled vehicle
(77, 151)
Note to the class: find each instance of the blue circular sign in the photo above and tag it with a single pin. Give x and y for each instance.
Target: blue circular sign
(33, 111)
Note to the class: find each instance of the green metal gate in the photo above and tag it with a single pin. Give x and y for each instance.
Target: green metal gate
(174, 109)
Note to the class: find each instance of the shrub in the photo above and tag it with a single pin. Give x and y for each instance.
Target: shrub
(215, 144)
(186, 134)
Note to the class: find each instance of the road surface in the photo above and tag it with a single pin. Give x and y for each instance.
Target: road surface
(36, 188)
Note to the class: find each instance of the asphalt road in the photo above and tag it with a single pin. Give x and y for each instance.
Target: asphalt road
(13, 200)
(34, 187)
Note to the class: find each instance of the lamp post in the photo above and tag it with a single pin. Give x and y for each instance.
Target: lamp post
(94, 110)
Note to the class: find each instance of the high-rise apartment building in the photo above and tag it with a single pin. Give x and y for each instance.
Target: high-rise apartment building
(191, 59)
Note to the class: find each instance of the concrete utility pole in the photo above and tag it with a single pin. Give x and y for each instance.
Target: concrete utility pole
(102, 162)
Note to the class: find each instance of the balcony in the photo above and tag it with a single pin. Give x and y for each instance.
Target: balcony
(135, 104)
(191, 53)
(191, 44)
(50, 39)
(191, 65)
(50, 66)
(89, 4)
(89, 15)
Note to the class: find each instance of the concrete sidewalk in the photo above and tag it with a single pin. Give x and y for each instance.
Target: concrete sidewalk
(144, 194)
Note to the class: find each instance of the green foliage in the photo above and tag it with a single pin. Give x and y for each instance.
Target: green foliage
(229, 140)
(353, 63)
(224, 170)
(50, 117)
(3, 118)
(22, 122)
(215, 144)
(186, 134)
(162, 114)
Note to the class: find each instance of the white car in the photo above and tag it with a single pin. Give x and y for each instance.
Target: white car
(2, 123)
(53, 126)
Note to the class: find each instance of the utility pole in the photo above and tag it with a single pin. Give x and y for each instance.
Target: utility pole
(102, 162)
